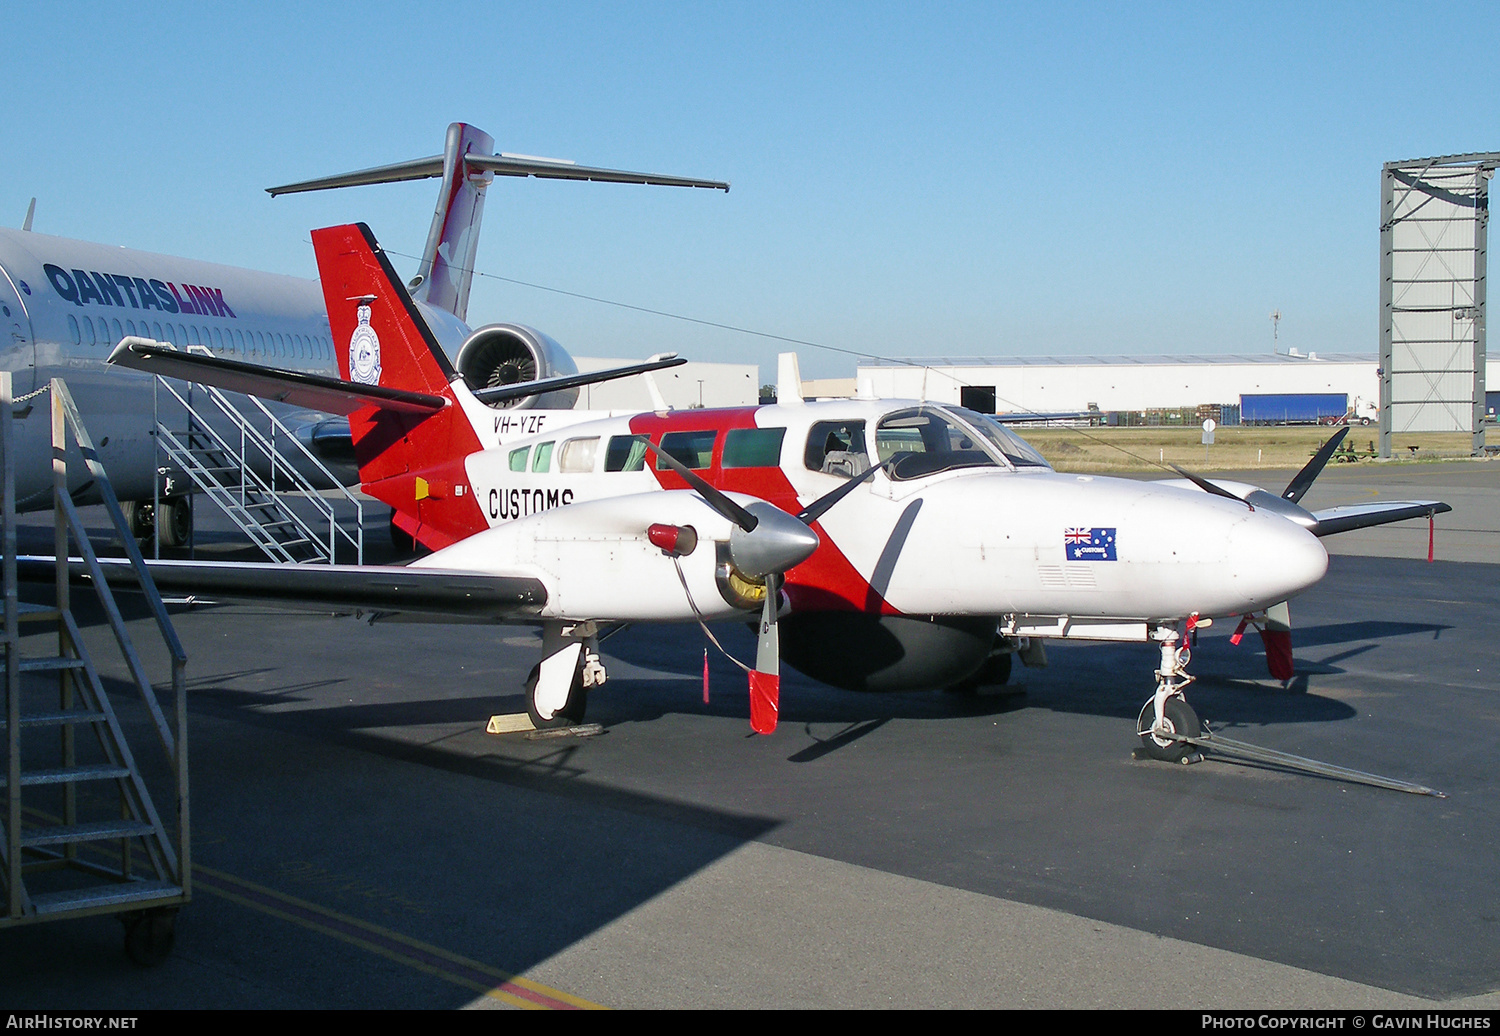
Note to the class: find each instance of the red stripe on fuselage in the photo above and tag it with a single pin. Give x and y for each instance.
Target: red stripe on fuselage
(827, 581)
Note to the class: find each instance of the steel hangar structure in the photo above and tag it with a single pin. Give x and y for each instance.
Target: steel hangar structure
(1433, 219)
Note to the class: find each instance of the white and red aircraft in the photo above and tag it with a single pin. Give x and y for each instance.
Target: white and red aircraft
(886, 544)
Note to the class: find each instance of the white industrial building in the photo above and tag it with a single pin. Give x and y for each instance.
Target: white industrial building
(1071, 383)
(690, 385)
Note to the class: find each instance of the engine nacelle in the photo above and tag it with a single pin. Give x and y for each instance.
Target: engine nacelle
(862, 652)
(504, 354)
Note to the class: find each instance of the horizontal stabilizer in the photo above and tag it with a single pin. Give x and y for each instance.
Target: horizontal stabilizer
(363, 587)
(502, 165)
(524, 389)
(314, 391)
(1346, 517)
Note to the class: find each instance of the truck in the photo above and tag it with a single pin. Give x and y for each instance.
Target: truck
(1292, 407)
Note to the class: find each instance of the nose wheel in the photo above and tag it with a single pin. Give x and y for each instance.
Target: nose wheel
(1178, 717)
(1167, 714)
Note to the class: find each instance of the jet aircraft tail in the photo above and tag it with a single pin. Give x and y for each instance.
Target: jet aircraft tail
(467, 167)
(413, 461)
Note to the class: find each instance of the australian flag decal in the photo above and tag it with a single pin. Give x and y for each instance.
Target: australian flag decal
(1089, 544)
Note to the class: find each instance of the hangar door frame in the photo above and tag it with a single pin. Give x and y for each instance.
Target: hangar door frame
(1434, 214)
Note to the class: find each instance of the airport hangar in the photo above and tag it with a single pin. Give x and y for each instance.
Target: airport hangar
(1064, 384)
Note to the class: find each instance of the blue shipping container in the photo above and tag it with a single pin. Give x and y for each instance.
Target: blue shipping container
(1292, 407)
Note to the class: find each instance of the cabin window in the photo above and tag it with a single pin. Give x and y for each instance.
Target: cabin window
(73, 330)
(218, 339)
(193, 338)
(578, 455)
(543, 459)
(837, 448)
(518, 458)
(693, 449)
(156, 331)
(130, 328)
(625, 453)
(753, 447)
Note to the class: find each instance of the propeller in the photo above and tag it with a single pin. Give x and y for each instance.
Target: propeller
(1276, 633)
(766, 542)
(1303, 480)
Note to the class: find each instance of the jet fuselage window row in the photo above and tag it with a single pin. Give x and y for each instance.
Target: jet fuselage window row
(233, 342)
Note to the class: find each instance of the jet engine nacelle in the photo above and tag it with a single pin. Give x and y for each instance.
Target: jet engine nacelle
(504, 354)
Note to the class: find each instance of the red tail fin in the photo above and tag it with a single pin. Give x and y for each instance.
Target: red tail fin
(415, 463)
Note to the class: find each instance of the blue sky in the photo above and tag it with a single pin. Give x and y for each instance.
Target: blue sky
(934, 179)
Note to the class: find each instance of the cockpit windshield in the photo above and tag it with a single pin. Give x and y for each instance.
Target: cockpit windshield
(928, 439)
(1011, 446)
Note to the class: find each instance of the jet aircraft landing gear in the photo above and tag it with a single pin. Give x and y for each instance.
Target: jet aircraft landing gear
(172, 531)
(558, 686)
(1167, 711)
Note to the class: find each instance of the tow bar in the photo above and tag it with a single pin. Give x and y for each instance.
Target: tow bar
(1255, 753)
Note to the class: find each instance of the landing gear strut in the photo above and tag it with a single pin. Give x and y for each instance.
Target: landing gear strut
(1167, 712)
(558, 687)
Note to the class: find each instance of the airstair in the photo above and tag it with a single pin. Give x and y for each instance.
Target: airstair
(256, 470)
(82, 833)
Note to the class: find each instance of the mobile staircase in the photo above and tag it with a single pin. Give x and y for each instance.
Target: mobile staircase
(81, 833)
(253, 467)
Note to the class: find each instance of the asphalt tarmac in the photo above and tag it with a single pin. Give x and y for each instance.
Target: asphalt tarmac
(361, 842)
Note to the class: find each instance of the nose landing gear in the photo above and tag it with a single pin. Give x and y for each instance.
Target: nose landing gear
(1167, 712)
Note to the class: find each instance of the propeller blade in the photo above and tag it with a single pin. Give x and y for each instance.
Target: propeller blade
(1303, 480)
(819, 507)
(765, 678)
(1276, 635)
(1208, 487)
(717, 500)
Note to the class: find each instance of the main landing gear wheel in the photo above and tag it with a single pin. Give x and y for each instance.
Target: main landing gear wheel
(175, 523)
(572, 711)
(1179, 718)
(150, 934)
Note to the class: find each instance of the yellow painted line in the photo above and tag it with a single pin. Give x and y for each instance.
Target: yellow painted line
(515, 990)
(511, 989)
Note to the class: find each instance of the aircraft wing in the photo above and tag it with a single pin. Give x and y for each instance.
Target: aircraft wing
(433, 591)
(1345, 517)
(1032, 417)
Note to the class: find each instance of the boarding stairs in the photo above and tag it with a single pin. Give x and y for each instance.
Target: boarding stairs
(253, 467)
(82, 833)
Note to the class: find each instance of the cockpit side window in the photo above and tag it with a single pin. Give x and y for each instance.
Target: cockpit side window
(837, 448)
